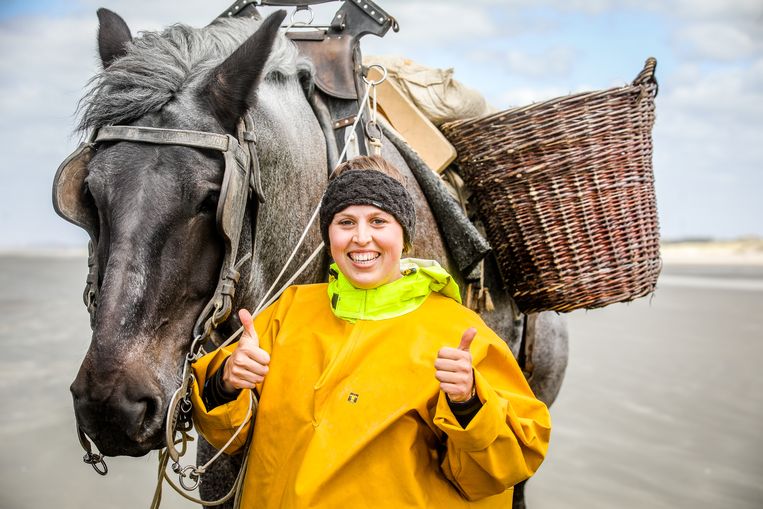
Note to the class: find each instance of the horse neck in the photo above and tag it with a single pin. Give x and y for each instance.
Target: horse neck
(292, 153)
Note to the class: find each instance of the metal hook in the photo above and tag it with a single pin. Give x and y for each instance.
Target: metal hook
(293, 22)
(94, 460)
(375, 140)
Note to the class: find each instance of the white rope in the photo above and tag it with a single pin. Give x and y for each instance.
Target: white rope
(266, 295)
(291, 257)
(293, 278)
(283, 288)
(249, 413)
(199, 471)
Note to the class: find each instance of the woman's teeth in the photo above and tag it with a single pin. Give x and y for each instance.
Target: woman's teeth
(363, 257)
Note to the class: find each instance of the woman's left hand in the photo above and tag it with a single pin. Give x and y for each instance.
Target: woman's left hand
(454, 369)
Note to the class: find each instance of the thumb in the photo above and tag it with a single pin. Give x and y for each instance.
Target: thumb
(467, 338)
(246, 320)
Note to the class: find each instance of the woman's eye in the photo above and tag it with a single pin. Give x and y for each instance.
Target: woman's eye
(378, 221)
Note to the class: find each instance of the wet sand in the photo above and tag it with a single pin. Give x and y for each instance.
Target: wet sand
(660, 408)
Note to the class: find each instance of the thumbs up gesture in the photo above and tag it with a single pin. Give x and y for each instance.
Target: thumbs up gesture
(454, 369)
(248, 364)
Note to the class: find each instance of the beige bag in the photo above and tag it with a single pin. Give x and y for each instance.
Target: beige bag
(434, 91)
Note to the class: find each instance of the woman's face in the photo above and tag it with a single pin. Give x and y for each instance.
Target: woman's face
(366, 244)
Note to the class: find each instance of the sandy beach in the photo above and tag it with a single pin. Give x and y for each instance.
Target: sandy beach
(660, 407)
(737, 252)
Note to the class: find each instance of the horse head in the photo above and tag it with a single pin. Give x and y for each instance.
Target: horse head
(151, 212)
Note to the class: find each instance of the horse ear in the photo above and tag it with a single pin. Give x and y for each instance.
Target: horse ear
(113, 36)
(230, 85)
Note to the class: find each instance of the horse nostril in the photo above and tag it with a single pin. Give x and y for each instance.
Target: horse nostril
(141, 417)
(151, 410)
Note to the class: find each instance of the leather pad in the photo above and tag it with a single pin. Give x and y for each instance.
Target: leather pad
(69, 199)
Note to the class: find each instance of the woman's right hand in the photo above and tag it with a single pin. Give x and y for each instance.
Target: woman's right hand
(248, 364)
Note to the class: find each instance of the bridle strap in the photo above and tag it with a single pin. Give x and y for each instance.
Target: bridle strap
(160, 136)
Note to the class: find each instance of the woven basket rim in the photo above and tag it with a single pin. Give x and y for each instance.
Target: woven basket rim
(645, 79)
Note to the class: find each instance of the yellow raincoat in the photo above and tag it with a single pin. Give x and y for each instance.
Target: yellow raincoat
(351, 414)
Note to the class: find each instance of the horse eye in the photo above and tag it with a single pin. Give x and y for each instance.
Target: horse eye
(209, 204)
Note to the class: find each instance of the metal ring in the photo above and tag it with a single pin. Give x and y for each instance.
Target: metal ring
(380, 80)
(96, 461)
(302, 23)
(193, 476)
(196, 345)
(185, 405)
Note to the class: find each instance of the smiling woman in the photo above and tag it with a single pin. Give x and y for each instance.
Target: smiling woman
(377, 389)
(367, 219)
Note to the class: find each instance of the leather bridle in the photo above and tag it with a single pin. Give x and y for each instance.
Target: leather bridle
(241, 178)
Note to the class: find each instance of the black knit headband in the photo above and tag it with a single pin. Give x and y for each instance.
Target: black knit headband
(368, 187)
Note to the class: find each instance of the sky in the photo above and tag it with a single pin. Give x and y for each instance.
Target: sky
(708, 138)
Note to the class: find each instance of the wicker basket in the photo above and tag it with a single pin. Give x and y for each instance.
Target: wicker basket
(566, 193)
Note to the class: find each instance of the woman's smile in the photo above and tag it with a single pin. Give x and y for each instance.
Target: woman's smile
(364, 257)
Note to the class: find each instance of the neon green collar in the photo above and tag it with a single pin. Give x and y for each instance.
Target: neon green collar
(401, 296)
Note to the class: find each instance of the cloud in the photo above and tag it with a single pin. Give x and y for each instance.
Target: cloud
(718, 41)
(549, 64)
(708, 152)
(719, 10)
(43, 64)
(446, 23)
(713, 29)
(554, 62)
(153, 15)
(524, 95)
(732, 95)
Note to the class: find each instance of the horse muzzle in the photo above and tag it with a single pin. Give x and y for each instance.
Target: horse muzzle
(124, 418)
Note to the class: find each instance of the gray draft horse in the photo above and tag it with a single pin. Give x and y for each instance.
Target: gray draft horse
(159, 250)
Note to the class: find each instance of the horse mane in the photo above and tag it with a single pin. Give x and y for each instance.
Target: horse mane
(158, 66)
